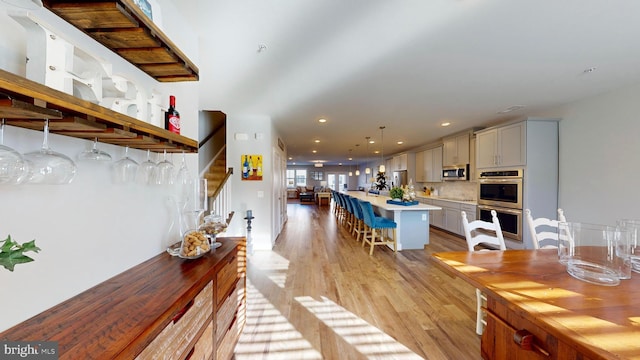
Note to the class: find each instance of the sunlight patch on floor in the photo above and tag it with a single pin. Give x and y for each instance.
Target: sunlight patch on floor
(367, 339)
(272, 265)
(269, 335)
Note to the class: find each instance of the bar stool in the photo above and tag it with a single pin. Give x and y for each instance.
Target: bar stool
(379, 223)
(358, 220)
(348, 219)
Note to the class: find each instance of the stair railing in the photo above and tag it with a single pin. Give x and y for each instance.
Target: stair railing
(220, 200)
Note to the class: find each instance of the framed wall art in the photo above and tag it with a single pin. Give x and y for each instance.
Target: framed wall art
(251, 167)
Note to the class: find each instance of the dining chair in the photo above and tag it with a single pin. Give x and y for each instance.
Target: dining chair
(544, 231)
(480, 232)
(378, 225)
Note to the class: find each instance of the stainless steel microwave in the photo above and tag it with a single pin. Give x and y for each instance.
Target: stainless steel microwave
(455, 172)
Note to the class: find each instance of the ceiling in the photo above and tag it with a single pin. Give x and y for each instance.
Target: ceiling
(406, 65)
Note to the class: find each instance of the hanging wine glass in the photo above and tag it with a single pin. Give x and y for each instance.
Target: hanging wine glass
(125, 169)
(147, 171)
(94, 154)
(183, 176)
(165, 171)
(183, 180)
(13, 167)
(47, 166)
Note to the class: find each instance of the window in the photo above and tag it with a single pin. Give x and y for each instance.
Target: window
(297, 177)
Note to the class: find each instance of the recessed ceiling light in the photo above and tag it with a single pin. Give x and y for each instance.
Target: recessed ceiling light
(316, 141)
(446, 123)
(314, 151)
(350, 159)
(589, 70)
(372, 142)
(377, 152)
(400, 142)
(323, 120)
(290, 158)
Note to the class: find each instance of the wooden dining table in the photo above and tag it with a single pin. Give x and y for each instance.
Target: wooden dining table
(536, 310)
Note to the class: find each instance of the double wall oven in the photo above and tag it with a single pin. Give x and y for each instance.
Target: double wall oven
(501, 190)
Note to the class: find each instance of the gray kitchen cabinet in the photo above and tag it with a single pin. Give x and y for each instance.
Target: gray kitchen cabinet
(429, 165)
(503, 146)
(455, 150)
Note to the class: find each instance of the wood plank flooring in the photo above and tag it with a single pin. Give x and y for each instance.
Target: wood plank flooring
(319, 295)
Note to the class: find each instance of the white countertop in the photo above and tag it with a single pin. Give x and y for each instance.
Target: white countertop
(381, 202)
(470, 202)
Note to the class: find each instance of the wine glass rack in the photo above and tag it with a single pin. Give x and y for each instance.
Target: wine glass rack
(25, 103)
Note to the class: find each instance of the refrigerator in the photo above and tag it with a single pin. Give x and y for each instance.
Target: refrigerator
(399, 178)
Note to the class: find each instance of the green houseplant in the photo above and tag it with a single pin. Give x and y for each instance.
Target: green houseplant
(396, 193)
(12, 253)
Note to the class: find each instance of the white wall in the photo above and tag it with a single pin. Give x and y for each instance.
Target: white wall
(90, 229)
(599, 163)
(252, 195)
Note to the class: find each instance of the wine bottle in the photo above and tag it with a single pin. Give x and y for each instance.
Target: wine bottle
(245, 168)
(172, 117)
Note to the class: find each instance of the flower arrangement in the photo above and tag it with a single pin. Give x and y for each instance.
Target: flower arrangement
(381, 181)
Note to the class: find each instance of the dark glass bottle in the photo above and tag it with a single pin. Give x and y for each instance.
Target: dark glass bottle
(172, 117)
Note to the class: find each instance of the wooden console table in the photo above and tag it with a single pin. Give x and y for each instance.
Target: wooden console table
(163, 308)
(530, 296)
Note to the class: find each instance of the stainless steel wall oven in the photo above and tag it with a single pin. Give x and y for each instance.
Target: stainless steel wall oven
(501, 190)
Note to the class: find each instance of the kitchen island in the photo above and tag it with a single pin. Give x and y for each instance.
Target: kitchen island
(531, 299)
(412, 221)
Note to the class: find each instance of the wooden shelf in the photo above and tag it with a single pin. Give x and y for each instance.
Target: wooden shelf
(28, 103)
(122, 27)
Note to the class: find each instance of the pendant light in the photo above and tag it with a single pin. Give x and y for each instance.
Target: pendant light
(357, 162)
(350, 159)
(382, 168)
(367, 170)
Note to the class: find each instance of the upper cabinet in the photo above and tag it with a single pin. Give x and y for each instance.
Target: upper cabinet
(503, 146)
(400, 162)
(429, 165)
(121, 26)
(455, 150)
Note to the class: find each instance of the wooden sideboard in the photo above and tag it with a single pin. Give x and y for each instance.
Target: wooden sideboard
(165, 307)
(531, 299)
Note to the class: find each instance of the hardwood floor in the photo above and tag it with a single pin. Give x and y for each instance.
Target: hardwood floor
(319, 295)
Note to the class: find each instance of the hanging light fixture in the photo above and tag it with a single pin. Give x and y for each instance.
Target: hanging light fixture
(382, 168)
(357, 163)
(350, 158)
(367, 170)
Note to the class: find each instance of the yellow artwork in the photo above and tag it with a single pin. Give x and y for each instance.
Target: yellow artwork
(251, 167)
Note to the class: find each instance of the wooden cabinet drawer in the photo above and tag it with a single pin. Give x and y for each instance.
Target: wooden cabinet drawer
(225, 347)
(226, 314)
(174, 340)
(204, 347)
(226, 279)
(498, 338)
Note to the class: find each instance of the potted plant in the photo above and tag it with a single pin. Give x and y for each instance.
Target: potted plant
(12, 253)
(396, 193)
(381, 181)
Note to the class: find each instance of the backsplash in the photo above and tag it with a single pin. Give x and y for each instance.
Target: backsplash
(455, 190)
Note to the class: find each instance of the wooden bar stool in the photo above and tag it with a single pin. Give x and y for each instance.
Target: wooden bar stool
(378, 226)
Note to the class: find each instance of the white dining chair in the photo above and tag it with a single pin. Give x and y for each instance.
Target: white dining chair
(480, 232)
(544, 231)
